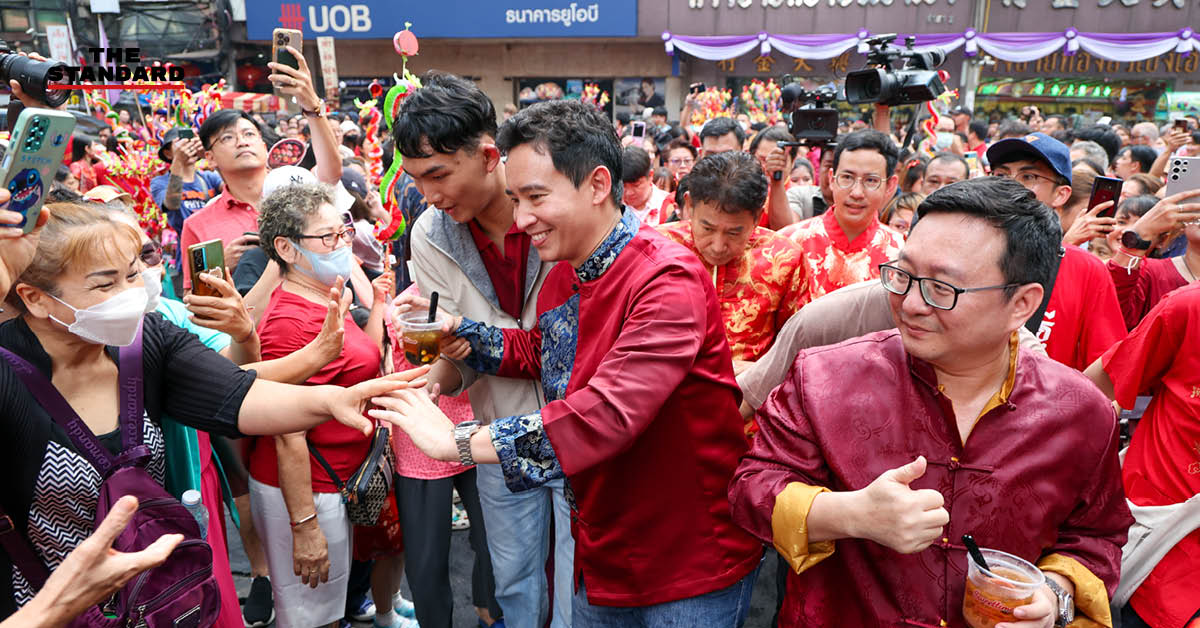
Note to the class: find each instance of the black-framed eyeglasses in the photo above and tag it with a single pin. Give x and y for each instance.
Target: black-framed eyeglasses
(1026, 178)
(151, 253)
(936, 293)
(330, 239)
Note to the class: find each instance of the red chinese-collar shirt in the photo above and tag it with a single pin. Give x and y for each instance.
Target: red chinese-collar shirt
(832, 261)
(758, 291)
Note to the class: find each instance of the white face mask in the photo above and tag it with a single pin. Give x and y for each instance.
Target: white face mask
(113, 322)
(152, 277)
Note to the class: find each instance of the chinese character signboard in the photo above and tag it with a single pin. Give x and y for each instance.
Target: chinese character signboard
(329, 71)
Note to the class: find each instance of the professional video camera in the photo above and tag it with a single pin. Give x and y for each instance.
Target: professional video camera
(811, 120)
(915, 82)
(31, 74)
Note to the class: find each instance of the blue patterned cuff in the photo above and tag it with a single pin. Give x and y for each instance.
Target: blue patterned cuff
(526, 457)
(487, 346)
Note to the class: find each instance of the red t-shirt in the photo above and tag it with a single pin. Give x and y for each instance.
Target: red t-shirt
(224, 219)
(1083, 318)
(507, 269)
(1162, 465)
(289, 323)
(1142, 288)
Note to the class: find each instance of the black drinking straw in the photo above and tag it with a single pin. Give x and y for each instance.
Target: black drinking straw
(433, 306)
(973, 549)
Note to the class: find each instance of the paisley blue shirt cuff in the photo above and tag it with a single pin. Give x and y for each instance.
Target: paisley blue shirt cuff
(487, 345)
(526, 457)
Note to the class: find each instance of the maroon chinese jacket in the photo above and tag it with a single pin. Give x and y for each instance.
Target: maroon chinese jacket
(647, 428)
(1038, 475)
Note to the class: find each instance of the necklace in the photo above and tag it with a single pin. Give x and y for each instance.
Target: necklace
(1186, 265)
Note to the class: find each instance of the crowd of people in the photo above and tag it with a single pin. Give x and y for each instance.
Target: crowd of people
(667, 356)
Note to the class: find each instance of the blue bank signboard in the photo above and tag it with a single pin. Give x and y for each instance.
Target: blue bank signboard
(380, 19)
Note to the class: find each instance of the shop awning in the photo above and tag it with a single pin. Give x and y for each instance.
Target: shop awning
(251, 101)
(1014, 47)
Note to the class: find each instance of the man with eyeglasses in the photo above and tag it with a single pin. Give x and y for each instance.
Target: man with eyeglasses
(846, 244)
(877, 455)
(234, 143)
(1083, 316)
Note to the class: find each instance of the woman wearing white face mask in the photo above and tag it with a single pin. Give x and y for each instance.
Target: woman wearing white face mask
(296, 506)
(222, 324)
(82, 296)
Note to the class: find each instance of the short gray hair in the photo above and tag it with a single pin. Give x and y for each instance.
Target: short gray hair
(1093, 152)
(285, 212)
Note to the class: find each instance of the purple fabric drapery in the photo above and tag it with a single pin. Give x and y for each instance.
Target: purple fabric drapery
(1014, 47)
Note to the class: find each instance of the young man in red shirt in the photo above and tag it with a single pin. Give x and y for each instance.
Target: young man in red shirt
(1162, 465)
(1083, 317)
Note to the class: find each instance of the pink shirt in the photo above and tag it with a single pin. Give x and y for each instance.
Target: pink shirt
(410, 462)
(225, 219)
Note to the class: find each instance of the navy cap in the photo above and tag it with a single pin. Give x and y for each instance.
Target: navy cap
(354, 182)
(1032, 146)
(171, 135)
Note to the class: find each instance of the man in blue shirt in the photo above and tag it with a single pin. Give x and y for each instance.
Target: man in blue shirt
(183, 189)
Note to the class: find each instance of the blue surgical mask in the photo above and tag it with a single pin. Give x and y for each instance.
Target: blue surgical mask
(327, 267)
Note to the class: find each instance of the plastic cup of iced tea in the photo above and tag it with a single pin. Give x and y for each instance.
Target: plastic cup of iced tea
(993, 593)
(421, 338)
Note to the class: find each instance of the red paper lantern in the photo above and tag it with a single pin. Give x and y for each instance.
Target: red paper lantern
(250, 76)
(405, 43)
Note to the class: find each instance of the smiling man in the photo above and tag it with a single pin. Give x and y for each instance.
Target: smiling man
(846, 244)
(758, 274)
(467, 248)
(642, 417)
(867, 490)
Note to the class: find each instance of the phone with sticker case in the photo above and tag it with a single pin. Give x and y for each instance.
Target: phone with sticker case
(39, 140)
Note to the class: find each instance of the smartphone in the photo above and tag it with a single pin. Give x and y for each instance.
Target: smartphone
(186, 133)
(286, 37)
(1182, 125)
(638, 132)
(202, 257)
(696, 88)
(39, 139)
(1105, 189)
(1183, 174)
(972, 163)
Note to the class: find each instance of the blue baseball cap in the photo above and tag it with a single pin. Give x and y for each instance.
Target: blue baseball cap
(1033, 146)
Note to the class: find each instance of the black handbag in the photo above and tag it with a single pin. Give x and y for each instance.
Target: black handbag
(366, 492)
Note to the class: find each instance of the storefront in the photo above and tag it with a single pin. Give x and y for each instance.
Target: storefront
(1067, 56)
(516, 50)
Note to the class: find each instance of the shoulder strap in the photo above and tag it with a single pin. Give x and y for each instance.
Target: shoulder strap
(133, 410)
(328, 468)
(21, 553)
(1035, 322)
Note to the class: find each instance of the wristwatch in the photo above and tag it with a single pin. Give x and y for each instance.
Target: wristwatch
(462, 439)
(1066, 601)
(1131, 240)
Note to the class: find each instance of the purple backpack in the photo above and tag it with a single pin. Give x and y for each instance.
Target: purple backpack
(180, 593)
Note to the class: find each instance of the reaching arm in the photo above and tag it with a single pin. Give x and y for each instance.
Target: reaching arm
(298, 82)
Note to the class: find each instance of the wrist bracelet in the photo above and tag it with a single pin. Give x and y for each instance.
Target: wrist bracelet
(304, 520)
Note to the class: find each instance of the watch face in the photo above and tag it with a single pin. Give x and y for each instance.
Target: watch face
(1131, 240)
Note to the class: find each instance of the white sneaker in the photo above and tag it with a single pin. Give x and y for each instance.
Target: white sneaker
(403, 607)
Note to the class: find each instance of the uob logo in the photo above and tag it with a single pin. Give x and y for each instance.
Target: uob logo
(339, 18)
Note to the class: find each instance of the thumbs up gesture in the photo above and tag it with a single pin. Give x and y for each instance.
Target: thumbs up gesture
(897, 516)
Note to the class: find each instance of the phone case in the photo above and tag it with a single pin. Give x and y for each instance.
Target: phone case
(1183, 174)
(286, 37)
(35, 151)
(205, 256)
